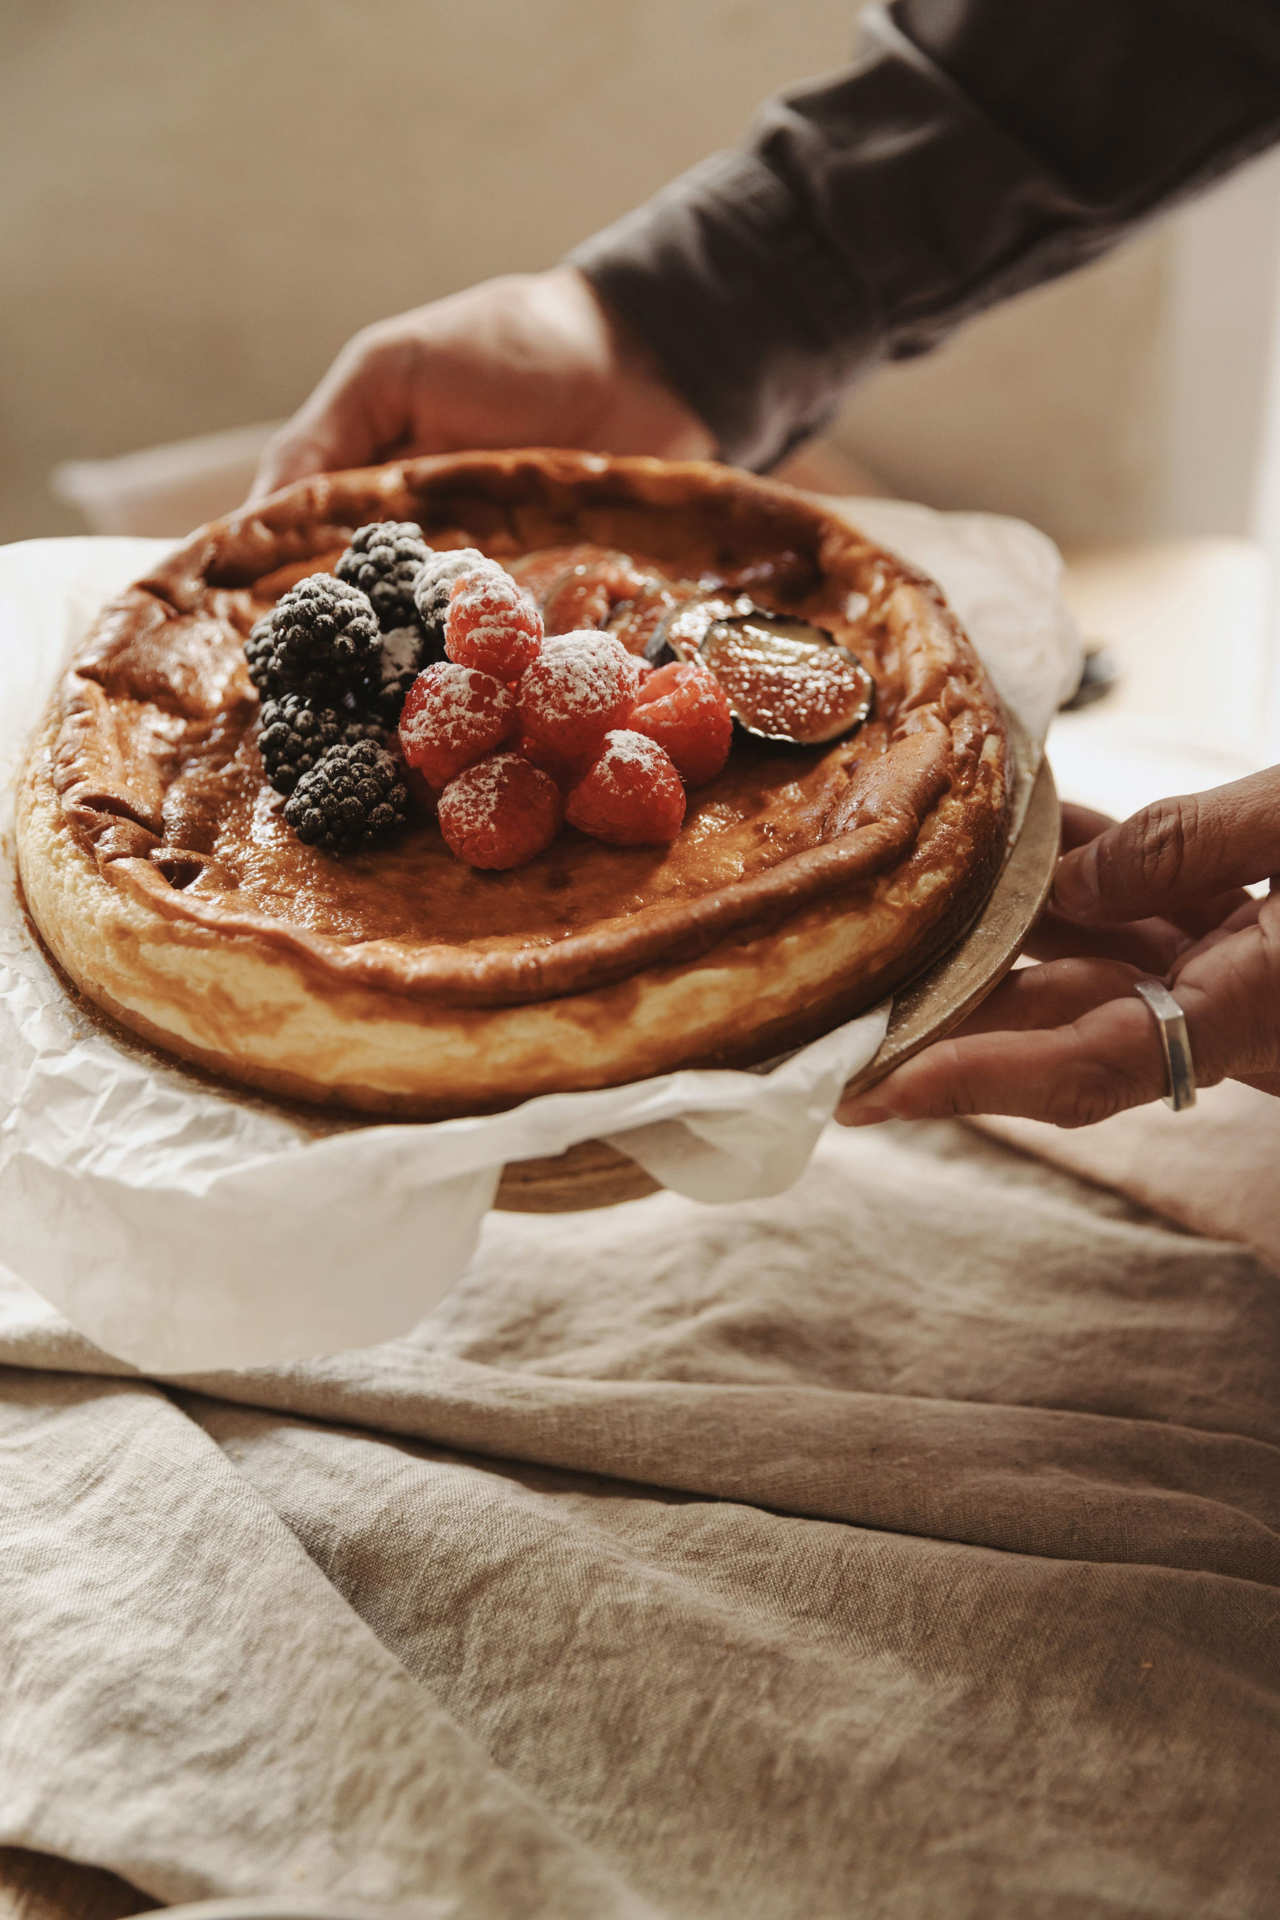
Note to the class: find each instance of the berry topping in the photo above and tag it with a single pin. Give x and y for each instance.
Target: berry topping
(436, 582)
(323, 641)
(565, 772)
(685, 710)
(492, 624)
(292, 736)
(402, 659)
(453, 716)
(631, 795)
(786, 679)
(658, 650)
(352, 795)
(580, 686)
(500, 813)
(384, 561)
(642, 624)
(259, 651)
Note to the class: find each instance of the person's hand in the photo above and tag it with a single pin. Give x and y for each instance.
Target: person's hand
(529, 360)
(1161, 895)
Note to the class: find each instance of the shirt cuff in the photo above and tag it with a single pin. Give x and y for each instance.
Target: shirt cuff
(974, 148)
(754, 323)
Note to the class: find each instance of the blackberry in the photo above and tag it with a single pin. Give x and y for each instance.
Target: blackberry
(324, 642)
(384, 561)
(353, 794)
(292, 736)
(435, 584)
(405, 653)
(259, 651)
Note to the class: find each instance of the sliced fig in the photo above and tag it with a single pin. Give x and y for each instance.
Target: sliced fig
(786, 680)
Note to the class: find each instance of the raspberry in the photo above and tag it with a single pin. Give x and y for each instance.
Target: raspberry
(435, 583)
(631, 795)
(500, 813)
(492, 624)
(684, 708)
(580, 686)
(565, 773)
(453, 716)
(384, 561)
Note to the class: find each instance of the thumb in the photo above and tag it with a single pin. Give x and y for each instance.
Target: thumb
(293, 454)
(1174, 853)
(356, 415)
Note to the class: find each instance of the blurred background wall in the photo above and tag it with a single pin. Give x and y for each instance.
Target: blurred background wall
(198, 204)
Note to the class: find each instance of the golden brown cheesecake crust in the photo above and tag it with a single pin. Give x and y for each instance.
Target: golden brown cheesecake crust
(148, 772)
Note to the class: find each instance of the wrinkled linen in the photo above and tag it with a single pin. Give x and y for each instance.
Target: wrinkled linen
(904, 1545)
(1212, 1168)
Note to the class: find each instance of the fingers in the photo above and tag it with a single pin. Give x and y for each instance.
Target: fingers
(1229, 988)
(1069, 1043)
(1049, 996)
(1080, 824)
(1245, 915)
(1070, 1076)
(1175, 854)
(1204, 916)
(357, 415)
(1158, 937)
(293, 455)
(1153, 945)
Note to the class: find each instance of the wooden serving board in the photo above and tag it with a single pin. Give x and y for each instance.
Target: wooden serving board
(593, 1174)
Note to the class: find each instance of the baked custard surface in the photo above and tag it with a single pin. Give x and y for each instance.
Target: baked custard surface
(804, 884)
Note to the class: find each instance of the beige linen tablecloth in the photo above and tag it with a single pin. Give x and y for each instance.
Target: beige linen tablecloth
(905, 1547)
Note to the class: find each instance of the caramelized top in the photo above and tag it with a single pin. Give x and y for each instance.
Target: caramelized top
(160, 778)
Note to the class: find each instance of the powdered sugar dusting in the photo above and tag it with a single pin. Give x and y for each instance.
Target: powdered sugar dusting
(401, 649)
(473, 797)
(449, 562)
(444, 703)
(492, 624)
(435, 581)
(626, 756)
(492, 592)
(631, 795)
(623, 747)
(582, 672)
(400, 658)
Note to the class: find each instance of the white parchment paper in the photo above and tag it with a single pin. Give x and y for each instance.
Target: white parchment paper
(183, 1228)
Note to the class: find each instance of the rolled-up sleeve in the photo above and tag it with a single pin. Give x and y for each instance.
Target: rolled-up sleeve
(973, 149)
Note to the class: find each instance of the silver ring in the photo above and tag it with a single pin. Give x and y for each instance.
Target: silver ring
(1175, 1044)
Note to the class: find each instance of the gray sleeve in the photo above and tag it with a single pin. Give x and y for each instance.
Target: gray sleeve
(973, 149)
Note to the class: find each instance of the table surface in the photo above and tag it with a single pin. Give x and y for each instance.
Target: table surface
(1189, 627)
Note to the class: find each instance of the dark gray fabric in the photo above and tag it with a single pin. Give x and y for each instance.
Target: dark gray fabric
(904, 1546)
(973, 149)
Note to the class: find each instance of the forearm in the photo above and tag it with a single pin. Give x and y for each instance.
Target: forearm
(974, 148)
